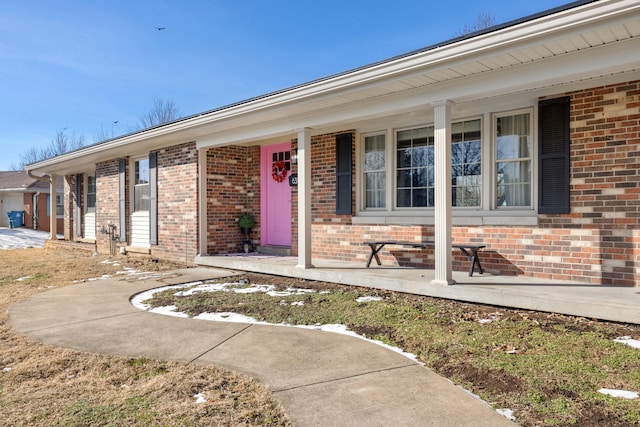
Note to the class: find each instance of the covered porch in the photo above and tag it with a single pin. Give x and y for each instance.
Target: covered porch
(613, 303)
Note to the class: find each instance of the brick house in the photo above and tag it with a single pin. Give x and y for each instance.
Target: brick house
(524, 137)
(19, 192)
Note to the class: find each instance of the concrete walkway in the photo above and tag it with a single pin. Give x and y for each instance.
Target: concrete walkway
(321, 378)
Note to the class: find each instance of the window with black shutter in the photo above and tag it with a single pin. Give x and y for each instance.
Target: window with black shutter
(344, 144)
(553, 156)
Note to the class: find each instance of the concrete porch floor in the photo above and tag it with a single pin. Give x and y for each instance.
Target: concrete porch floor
(614, 303)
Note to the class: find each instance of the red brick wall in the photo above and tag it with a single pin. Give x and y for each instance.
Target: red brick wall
(177, 204)
(107, 202)
(230, 192)
(70, 206)
(598, 242)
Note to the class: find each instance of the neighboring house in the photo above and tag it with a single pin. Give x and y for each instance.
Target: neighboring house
(19, 192)
(525, 137)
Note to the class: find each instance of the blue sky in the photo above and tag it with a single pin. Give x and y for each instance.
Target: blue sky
(83, 65)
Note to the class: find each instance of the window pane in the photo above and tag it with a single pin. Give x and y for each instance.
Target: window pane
(59, 205)
(141, 196)
(404, 178)
(374, 153)
(141, 189)
(513, 137)
(91, 194)
(466, 171)
(404, 198)
(375, 175)
(142, 171)
(513, 167)
(414, 162)
(514, 186)
(420, 177)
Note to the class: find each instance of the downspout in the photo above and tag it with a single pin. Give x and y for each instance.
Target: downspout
(52, 191)
(34, 201)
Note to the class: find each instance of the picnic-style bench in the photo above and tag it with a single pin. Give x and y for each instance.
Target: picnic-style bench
(470, 251)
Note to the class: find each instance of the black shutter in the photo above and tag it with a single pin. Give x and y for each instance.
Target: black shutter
(122, 199)
(79, 178)
(153, 198)
(553, 156)
(343, 174)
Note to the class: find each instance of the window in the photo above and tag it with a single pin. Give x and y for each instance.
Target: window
(59, 205)
(466, 164)
(513, 161)
(400, 176)
(375, 175)
(415, 167)
(141, 189)
(91, 194)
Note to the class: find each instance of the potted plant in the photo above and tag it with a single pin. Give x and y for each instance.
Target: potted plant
(245, 222)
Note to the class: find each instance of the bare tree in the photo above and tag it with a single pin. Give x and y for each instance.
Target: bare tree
(103, 134)
(61, 143)
(163, 111)
(483, 21)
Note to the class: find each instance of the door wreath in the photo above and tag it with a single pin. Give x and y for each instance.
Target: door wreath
(279, 171)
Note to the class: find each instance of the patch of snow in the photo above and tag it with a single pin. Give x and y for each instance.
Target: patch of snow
(342, 329)
(227, 317)
(22, 238)
(508, 413)
(22, 279)
(298, 303)
(138, 299)
(623, 394)
(368, 299)
(169, 310)
(628, 341)
(290, 291)
(6, 369)
(199, 398)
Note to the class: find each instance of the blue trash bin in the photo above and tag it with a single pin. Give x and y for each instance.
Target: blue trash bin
(16, 218)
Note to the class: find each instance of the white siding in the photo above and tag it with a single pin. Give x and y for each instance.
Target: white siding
(140, 229)
(90, 226)
(10, 202)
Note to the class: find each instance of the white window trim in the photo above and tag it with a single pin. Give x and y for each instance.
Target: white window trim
(132, 181)
(485, 214)
(533, 159)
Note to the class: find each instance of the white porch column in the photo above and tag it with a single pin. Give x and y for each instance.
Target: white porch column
(202, 202)
(442, 136)
(304, 198)
(53, 217)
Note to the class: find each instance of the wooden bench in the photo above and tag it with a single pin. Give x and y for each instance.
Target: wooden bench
(470, 251)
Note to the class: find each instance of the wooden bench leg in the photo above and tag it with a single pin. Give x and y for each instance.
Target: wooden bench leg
(374, 253)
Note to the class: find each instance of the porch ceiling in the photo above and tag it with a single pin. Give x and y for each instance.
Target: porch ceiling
(543, 56)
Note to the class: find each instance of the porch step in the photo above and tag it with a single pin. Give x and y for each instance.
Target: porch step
(274, 250)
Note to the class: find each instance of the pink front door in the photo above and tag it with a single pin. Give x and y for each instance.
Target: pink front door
(275, 200)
